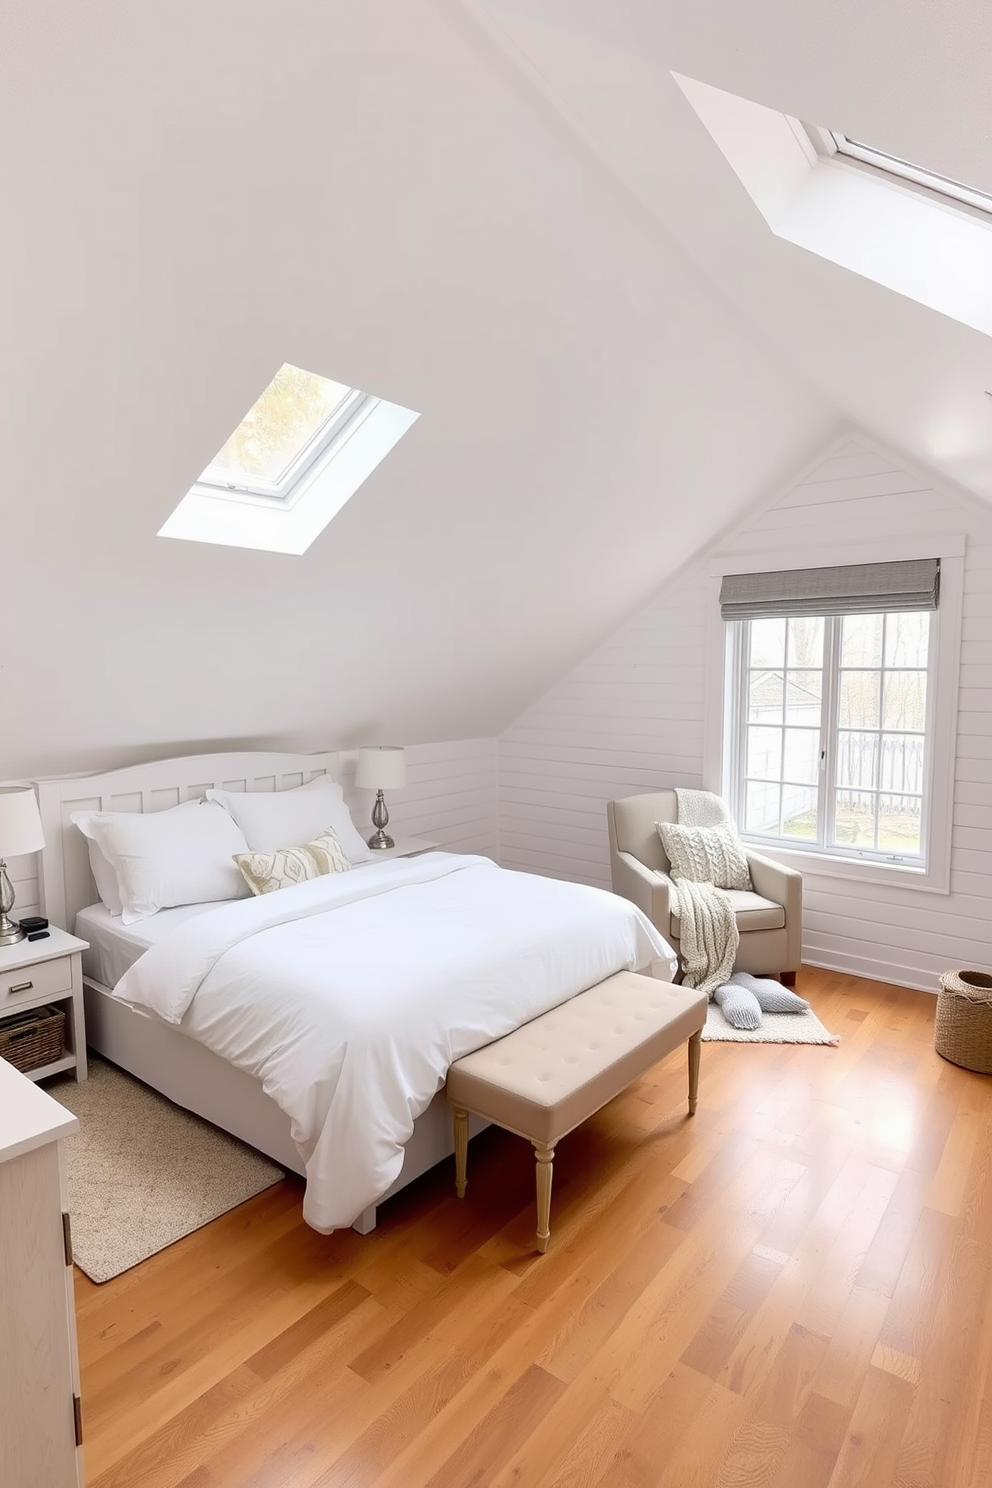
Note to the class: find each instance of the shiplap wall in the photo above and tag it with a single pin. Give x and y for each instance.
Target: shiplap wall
(450, 798)
(631, 719)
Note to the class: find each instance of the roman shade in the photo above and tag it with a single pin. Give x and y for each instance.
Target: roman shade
(854, 588)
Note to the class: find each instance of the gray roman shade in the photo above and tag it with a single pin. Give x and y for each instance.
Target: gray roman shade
(856, 588)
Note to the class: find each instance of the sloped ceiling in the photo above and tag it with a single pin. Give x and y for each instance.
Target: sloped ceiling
(194, 193)
(908, 76)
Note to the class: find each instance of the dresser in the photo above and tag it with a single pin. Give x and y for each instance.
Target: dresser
(40, 1425)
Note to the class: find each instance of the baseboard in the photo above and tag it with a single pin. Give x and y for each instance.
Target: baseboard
(877, 971)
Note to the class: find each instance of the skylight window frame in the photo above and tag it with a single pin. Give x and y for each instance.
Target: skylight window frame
(945, 188)
(325, 441)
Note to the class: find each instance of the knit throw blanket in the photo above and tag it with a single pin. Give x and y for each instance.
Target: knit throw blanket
(708, 934)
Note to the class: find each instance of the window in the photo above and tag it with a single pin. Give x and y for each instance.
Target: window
(872, 213)
(300, 452)
(830, 709)
(830, 740)
(970, 196)
(286, 429)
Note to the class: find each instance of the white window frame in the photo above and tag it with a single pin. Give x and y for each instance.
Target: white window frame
(735, 745)
(832, 142)
(934, 875)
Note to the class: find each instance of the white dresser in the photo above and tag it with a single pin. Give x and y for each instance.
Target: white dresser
(39, 1371)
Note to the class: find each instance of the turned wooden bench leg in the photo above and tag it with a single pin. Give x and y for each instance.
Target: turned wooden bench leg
(461, 1150)
(545, 1161)
(695, 1044)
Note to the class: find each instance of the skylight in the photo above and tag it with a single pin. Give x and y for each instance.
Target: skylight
(918, 174)
(300, 452)
(919, 233)
(283, 432)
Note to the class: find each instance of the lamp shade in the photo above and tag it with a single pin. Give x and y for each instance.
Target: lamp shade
(381, 767)
(20, 823)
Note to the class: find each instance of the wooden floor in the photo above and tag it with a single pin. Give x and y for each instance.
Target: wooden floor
(792, 1290)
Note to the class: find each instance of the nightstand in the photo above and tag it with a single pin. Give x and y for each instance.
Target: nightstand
(406, 847)
(36, 972)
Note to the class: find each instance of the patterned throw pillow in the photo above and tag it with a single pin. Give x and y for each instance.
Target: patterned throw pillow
(706, 855)
(266, 872)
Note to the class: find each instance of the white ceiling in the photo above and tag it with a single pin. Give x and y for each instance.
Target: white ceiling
(907, 76)
(526, 235)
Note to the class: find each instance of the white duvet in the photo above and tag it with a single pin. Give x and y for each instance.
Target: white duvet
(349, 996)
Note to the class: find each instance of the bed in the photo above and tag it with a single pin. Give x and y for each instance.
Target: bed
(139, 1036)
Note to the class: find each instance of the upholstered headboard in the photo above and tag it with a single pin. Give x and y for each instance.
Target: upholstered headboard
(66, 884)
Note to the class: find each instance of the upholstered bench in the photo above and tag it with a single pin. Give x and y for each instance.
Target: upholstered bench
(549, 1075)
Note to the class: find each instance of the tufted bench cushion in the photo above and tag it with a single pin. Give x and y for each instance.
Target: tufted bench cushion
(549, 1075)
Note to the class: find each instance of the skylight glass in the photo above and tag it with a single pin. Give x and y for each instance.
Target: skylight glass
(918, 174)
(285, 429)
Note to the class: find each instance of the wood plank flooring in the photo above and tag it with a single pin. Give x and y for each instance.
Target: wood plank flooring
(791, 1290)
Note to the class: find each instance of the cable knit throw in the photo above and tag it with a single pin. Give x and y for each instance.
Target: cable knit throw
(701, 848)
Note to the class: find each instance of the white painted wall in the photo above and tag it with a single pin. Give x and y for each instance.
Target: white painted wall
(632, 718)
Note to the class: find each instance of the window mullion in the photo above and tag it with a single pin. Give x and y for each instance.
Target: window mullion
(828, 729)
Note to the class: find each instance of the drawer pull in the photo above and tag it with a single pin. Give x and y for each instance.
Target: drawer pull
(21, 987)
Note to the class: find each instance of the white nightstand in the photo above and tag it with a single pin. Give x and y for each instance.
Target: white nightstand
(406, 847)
(36, 972)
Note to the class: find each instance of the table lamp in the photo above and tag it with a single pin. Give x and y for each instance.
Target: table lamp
(381, 767)
(20, 832)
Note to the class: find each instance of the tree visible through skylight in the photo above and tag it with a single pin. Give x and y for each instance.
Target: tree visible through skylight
(278, 429)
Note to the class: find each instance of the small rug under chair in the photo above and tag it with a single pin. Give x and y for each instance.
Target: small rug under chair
(143, 1172)
(775, 1028)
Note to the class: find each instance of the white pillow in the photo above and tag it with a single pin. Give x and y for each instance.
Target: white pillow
(163, 858)
(272, 820)
(102, 871)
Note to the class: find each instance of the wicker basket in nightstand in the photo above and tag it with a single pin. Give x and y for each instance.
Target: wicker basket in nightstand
(32, 1039)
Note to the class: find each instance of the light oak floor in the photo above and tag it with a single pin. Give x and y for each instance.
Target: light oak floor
(791, 1290)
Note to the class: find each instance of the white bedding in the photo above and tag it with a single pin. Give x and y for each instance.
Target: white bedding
(114, 947)
(349, 996)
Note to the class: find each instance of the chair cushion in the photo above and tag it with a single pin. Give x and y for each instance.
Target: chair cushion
(755, 913)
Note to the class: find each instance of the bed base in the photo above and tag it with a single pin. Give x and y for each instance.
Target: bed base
(200, 1081)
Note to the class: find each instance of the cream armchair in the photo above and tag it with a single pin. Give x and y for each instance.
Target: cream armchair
(770, 919)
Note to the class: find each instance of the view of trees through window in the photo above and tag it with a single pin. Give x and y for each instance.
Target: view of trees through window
(278, 426)
(835, 735)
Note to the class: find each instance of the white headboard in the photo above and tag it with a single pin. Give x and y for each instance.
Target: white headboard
(66, 882)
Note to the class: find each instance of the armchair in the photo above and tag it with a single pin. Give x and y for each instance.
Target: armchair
(769, 919)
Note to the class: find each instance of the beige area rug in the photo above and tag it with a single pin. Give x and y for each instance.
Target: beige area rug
(776, 1028)
(143, 1173)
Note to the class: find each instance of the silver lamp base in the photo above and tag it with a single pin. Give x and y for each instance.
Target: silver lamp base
(10, 930)
(380, 819)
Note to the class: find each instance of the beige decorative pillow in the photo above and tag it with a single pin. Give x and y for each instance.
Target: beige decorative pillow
(706, 854)
(266, 872)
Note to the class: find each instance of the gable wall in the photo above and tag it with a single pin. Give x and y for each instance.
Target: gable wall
(632, 718)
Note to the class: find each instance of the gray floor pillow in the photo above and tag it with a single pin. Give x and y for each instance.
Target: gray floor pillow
(771, 996)
(739, 1006)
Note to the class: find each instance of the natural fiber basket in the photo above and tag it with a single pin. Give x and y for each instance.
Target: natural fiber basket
(963, 1030)
(29, 1040)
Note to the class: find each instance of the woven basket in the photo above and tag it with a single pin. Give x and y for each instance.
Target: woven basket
(963, 1030)
(32, 1039)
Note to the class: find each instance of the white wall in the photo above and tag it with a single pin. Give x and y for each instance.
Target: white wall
(632, 719)
(450, 798)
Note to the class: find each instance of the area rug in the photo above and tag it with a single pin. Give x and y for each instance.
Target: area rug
(776, 1028)
(143, 1173)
